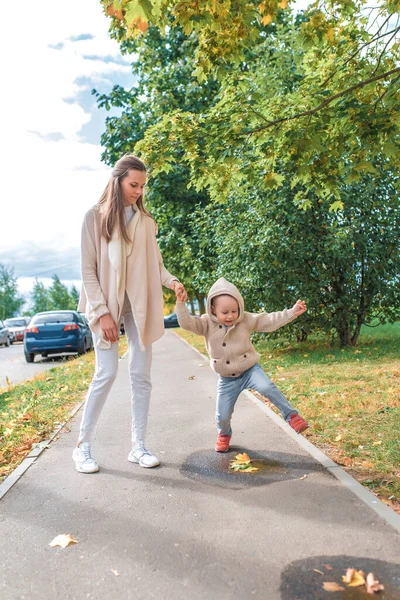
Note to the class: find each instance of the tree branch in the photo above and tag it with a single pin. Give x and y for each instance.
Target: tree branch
(325, 103)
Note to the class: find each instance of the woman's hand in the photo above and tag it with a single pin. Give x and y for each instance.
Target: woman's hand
(299, 308)
(109, 328)
(179, 290)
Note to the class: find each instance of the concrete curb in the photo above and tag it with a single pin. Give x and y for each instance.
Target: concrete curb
(347, 480)
(37, 451)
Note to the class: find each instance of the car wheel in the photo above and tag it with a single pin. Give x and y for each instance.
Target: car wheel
(82, 348)
(7, 344)
(29, 357)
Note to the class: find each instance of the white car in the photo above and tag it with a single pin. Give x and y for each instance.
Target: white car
(17, 327)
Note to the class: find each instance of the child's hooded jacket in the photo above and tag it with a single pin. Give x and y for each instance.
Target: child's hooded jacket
(230, 349)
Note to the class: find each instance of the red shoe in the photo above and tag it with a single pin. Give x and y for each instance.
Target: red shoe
(297, 423)
(222, 443)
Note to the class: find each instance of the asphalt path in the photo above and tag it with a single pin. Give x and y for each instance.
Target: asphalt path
(190, 528)
(14, 368)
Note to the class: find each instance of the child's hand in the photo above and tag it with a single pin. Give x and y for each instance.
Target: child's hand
(181, 295)
(299, 308)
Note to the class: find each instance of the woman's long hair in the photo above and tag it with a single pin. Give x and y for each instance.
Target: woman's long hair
(111, 201)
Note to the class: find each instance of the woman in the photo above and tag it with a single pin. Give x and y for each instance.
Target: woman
(122, 274)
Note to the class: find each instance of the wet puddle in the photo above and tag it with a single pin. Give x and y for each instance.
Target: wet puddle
(212, 468)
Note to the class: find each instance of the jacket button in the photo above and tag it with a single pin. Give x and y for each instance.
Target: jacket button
(215, 361)
(227, 362)
(245, 355)
(220, 326)
(233, 374)
(224, 344)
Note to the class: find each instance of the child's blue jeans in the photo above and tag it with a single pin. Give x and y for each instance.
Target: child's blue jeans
(229, 389)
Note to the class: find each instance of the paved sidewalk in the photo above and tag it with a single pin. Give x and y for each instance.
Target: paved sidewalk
(188, 529)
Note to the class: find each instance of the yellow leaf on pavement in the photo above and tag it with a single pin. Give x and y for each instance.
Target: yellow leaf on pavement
(63, 540)
(354, 578)
(242, 459)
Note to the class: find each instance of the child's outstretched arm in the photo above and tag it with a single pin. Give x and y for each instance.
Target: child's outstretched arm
(187, 321)
(267, 322)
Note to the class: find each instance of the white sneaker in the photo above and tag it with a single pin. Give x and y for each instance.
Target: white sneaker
(84, 461)
(143, 457)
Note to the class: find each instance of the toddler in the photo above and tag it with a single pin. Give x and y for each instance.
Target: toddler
(227, 329)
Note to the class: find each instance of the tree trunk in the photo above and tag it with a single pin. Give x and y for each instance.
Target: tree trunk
(356, 333)
(201, 300)
(344, 336)
(192, 309)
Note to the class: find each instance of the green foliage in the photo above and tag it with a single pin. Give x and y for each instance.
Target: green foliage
(40, 298)
(10, 300)
(344, 263)
(56, 297)
(322, 110)
(59, 296)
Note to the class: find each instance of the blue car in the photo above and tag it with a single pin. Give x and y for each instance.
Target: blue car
(57, 332)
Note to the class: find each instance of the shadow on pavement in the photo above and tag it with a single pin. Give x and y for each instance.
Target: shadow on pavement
(299, 581)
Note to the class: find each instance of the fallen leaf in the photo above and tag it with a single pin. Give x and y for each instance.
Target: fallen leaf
(318, 571)
(304, 476)
(115, 572)
(377, 443)
(338, 438)
(328, 567)
(26, 417)
(242, 464)
(63, 540)
(332, 586)
(242, 459)
(354, 578)
(373, 584)
(191, 376)
(8, 382)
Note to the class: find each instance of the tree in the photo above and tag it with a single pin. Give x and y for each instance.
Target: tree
(40, 297)
(344, 91)
(74, 295)
(10, 300)
(59, 296)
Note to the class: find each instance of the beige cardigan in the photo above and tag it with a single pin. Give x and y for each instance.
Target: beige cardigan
(105, 280)
(230, 349)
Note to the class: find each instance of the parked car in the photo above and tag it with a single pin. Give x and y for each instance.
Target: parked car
(4, 334)
(171, 321)
(16, 327)
(56, 332)
(91, 345)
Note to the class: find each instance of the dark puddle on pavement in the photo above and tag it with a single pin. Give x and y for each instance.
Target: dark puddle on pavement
(299, 581)
(212, 468)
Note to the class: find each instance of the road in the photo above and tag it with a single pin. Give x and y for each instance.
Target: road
(14, 366)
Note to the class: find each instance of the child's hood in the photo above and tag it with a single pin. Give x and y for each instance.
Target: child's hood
(222, 287)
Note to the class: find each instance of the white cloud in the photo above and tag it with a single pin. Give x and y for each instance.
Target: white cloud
(48, 185)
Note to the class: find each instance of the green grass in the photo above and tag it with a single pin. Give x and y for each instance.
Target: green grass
(351, 398)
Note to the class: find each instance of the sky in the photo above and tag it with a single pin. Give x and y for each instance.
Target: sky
(51, 169)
